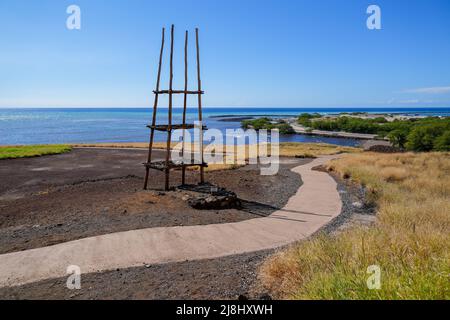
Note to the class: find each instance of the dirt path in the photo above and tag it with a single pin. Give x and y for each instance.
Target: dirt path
(316, 203)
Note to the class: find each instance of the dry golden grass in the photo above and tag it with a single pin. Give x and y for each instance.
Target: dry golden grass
(217, 167)
(410, 241)
(394, 174)
(292, 149)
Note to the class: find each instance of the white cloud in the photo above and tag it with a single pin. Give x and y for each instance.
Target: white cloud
(430, 90)
(439, 102)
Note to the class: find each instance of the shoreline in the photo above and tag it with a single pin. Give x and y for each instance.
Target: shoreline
(335, 134)
(65, 124)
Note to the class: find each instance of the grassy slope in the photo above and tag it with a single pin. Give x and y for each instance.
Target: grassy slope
(13, 152)
(410, 242)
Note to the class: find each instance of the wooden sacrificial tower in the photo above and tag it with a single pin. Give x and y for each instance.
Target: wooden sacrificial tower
(167, 165)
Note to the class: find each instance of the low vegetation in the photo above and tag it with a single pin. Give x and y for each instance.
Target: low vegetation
(268, 124)
(296, 149)
(410, 241)
(14, 152)
(427, 134)
(305, 118)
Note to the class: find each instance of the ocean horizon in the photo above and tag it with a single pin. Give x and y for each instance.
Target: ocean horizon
(25, 126)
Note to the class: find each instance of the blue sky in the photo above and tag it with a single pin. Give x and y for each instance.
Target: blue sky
(254, 52)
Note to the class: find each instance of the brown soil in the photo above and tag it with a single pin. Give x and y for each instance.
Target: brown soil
(49, 200)
(221, 278)
(89, 192)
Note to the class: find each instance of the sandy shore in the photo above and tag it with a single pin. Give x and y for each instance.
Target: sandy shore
(335, 134)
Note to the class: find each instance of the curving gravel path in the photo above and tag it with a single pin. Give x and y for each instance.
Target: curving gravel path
(315, 204)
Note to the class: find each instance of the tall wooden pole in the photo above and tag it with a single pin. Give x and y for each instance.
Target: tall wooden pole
(155, 107)
(200, 118)
(183, 177)
(169, 133)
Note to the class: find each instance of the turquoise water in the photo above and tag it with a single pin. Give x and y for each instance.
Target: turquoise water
(80, 125)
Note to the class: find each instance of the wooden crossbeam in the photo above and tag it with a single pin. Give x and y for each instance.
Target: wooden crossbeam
(185, 92)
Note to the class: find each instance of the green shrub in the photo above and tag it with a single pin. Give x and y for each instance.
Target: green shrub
(398, 137)
(425, 134)
(380, 120)
(266, 123)
(257, 124)
(422, 137)
(305, 118)
(347, 124)
(285, 128)
(442, 143)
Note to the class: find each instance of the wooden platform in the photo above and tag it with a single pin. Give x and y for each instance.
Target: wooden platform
(161, 165)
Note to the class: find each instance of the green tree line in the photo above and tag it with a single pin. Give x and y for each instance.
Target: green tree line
(427, 134)
(268, 124)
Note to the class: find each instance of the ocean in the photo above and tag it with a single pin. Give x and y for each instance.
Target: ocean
(81, 125)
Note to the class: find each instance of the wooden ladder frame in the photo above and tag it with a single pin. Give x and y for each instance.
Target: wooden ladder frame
(167, 165)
